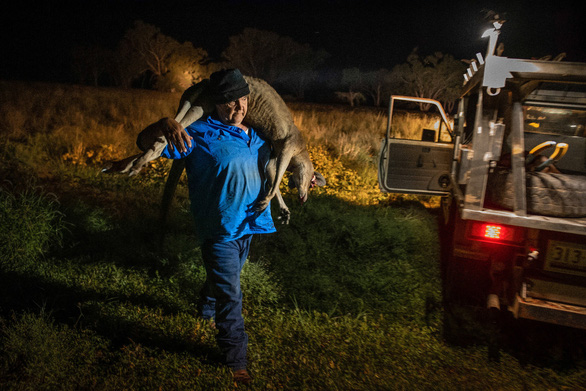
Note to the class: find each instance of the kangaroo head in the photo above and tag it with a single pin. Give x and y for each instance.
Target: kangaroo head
(303, 176)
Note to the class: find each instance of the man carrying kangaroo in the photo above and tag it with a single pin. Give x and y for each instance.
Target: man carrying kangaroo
(225, 162)
(267, 113)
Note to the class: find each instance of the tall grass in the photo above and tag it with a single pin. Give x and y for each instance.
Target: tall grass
(31, 225)
(90, 125)
(354, 135)
(78, 123)
(348, 296)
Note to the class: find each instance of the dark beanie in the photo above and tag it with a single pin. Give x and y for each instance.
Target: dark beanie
(227, 85)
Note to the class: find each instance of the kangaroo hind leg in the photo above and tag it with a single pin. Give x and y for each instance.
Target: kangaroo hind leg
(275, 170)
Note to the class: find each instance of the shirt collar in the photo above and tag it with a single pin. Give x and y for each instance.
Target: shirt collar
(222, 127)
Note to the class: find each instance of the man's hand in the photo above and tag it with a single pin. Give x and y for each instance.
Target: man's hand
(175, 134)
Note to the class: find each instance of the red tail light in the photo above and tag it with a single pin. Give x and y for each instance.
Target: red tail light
(494, 232)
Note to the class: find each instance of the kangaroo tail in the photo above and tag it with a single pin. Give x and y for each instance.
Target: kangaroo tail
(169, 192)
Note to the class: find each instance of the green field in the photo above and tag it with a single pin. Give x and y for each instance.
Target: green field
(346, 297)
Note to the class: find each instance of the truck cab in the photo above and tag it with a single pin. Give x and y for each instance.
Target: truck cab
(511, 171)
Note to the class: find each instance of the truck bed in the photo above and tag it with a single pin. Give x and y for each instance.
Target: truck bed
(575, 225)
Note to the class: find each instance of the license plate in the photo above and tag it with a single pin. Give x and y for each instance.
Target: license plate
(565, 257)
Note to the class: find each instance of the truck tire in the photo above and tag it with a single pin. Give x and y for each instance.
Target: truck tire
(464, 288)
(548, 194)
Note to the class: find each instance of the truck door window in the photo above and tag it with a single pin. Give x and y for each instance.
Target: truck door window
(410, 123)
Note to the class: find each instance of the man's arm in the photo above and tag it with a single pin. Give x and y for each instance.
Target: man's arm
(173, 132)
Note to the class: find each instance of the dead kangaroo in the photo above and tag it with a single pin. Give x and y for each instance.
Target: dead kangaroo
(267, 113)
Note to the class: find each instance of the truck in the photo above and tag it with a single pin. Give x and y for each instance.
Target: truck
(510, 170)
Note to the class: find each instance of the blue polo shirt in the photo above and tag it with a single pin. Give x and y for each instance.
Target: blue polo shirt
(225, 173)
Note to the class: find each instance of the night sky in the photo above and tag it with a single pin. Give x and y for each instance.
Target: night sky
(38, 36)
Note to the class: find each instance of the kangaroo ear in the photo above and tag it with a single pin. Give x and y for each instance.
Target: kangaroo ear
(319, 179)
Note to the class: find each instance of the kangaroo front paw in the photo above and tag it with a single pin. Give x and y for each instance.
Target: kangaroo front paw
(285, 216)
(120, 166)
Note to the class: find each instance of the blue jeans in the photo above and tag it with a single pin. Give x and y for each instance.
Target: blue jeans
(222, 296)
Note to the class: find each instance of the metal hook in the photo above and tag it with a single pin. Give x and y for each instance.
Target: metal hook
(489, 91)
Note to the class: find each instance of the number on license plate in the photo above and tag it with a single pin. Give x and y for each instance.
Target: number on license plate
(566, 257)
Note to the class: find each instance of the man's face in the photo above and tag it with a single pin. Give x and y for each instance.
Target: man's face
(233, 113)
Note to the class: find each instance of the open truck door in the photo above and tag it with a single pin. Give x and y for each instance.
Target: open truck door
(416, 161)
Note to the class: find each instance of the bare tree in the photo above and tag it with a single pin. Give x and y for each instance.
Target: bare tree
(435, 76)
(90, 63)
(353, 98)
(152, 49)
(352, 81)
(376, 84)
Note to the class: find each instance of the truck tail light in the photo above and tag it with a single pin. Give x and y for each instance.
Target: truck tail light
(494, 232)
(491, 231)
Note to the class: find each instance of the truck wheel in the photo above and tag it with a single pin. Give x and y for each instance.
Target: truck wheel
(465, 314)
(466, 282)
(548, 194)
(464, 285)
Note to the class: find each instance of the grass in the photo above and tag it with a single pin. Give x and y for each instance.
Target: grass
(346, 297)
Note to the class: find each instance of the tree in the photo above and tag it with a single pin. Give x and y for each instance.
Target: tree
(354, 98)
(90, 63)
(376, 84)
(436, 76)
(274, 58)
(185, 67)
(299, 71)
(169, 65)
(352, 81)
(256, 53)
(298, 81)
